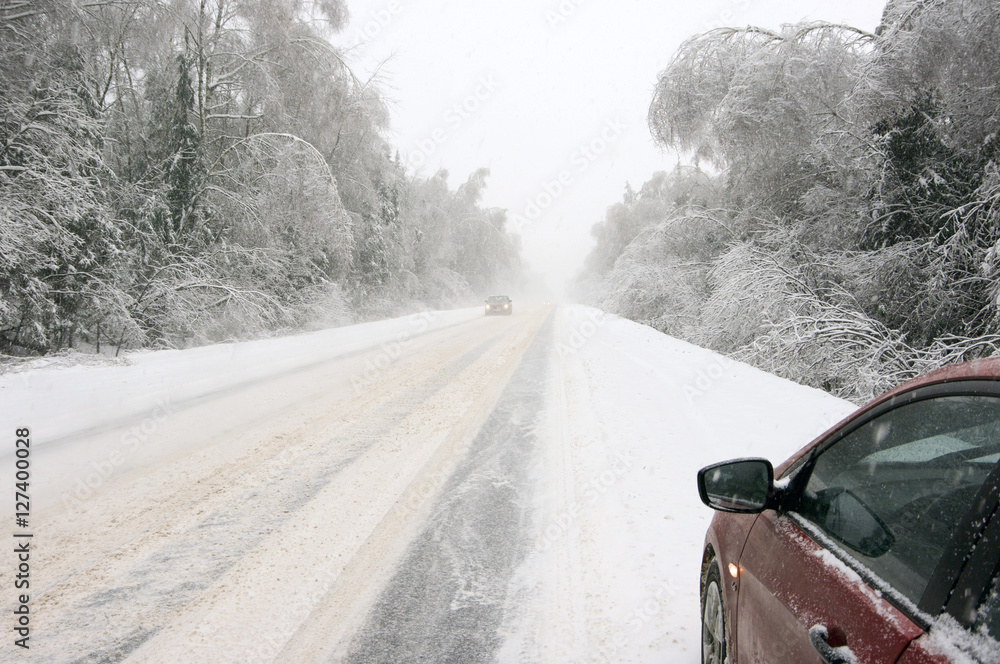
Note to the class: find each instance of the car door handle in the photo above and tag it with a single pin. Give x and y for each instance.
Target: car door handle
(818, 635)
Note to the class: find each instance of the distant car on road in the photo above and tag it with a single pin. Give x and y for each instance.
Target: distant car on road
(879, 542)
(499, 305)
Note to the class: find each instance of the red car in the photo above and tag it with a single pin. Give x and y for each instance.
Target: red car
(878, 543)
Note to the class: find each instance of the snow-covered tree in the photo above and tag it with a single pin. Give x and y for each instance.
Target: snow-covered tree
(59, 247)
(772, 108)
(181, 172)
(861, 200)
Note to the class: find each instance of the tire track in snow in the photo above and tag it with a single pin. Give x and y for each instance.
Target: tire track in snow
(447, 600)
(108, 625)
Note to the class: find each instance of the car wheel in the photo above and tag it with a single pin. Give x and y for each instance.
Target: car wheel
(713, 621)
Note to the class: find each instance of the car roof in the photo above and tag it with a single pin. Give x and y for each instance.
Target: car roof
(983, 369)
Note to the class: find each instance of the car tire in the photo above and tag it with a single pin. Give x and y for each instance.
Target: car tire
(713, 618)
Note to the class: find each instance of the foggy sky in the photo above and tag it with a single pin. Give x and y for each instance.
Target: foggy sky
(550, 95)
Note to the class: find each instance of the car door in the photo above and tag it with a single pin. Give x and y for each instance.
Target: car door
(872, 533)
(783, 596)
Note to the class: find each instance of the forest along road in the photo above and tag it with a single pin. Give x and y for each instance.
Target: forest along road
(343, 512)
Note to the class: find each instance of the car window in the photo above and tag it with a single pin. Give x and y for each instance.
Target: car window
(894, 490)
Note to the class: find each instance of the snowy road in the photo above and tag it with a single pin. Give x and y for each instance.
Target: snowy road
(446, 601)
(449, 488)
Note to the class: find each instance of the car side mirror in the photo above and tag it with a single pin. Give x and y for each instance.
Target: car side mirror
(743, 486)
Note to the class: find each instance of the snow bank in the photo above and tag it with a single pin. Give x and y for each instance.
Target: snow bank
(644, 412)
(57, 401)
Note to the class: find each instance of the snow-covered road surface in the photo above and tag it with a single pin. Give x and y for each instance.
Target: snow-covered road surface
(462, 489)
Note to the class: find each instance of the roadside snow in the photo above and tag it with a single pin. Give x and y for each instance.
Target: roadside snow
(643, 412)
(57, 401)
